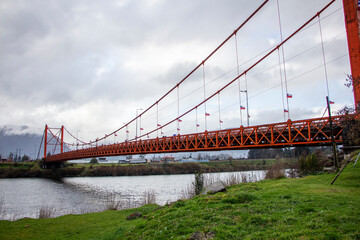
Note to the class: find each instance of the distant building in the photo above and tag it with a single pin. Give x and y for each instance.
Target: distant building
(193, 160)
(168, 159)
(123, 161)
(156, 159)
(139, 160)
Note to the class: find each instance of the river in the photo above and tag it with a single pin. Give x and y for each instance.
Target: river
(25, 197)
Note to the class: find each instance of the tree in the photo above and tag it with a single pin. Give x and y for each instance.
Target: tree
(310, 164)
(25, 158)
(254, 153)
(230, 159)
(301, 151)
(351, 126)
(265, 153)
(351, 81)
(94, 160)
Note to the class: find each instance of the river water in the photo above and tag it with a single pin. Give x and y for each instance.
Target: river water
(25, 197)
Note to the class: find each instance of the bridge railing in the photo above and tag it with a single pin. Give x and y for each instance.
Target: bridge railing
(308, 132)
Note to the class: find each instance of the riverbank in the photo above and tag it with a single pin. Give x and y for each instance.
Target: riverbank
(33, 170)
(306, 208)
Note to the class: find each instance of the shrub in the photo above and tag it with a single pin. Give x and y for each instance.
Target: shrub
(2, 208)
(113, 201)
(94, 160)
(46, 212)
(149, 197)
(179, 203)
(275, 171)
(310, 165)
(199, 182)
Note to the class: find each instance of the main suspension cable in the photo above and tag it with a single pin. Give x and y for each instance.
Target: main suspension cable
(189, 74)
(252, 66)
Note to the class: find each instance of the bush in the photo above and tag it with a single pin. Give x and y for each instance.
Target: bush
(112, 201)
(310, 165)
(199, 183)
(46, 212)
(94, 160)
(149, 197)
(275, 171)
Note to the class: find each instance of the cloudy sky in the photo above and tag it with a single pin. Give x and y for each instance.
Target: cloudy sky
(88, 65)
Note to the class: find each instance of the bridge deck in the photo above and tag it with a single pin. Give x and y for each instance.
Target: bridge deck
(308, 132)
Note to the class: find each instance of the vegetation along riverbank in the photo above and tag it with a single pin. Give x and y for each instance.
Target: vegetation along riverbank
(285, 208)
(10, 170)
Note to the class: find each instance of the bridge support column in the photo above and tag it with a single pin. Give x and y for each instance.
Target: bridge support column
(45, 140)
(53, 139)
(352, 21)
(62, 140)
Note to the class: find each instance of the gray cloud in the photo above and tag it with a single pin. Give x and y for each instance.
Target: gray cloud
(64, 62)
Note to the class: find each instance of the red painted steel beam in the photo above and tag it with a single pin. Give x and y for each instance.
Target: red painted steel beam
(308, 132)
(352, 22)
(45, 140)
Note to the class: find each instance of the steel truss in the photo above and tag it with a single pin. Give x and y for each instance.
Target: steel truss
(308, 132)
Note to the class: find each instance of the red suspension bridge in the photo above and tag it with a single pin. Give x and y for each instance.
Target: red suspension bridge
(165, 136)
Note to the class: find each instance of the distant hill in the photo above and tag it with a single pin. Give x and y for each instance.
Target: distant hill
(22, 140)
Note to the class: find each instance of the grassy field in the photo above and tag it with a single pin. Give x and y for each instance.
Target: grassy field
(306, 208)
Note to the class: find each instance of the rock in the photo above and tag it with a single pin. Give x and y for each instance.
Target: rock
(202, 236)
(159, 208)
(329, 169)
(134, 216)
(214, 188)
(210, 235)
(197, 236)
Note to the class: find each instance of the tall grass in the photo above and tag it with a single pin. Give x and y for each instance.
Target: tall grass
(2, 208)
(47, 212)
(187, 192)
(231, 179)
(275, 171)
(112, 201)
(149, 197)
(236, 178)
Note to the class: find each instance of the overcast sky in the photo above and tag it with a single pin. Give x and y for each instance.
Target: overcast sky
(88, 65)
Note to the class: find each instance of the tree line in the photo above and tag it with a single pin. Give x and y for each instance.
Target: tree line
(279, 153)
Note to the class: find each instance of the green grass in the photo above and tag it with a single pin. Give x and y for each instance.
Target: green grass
(306, 208)
(85, 226)
(17, 165)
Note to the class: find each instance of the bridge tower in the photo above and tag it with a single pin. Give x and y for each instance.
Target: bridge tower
(49, 140)
(352, 21)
